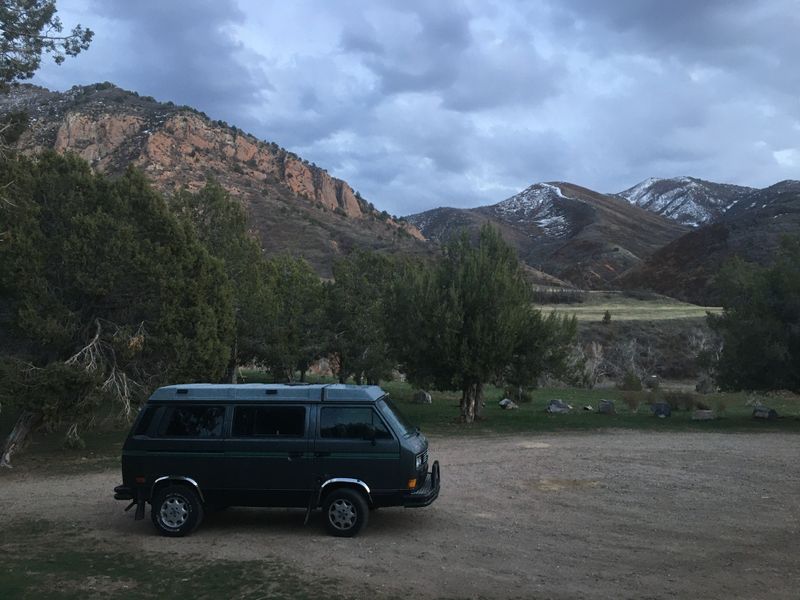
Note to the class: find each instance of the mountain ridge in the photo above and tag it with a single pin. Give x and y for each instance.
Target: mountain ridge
(688, 200)
(570, 232)
(294, 206)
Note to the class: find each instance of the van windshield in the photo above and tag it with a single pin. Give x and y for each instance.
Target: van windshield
(398, 420)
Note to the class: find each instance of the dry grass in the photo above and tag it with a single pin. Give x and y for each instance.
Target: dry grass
(625, 308)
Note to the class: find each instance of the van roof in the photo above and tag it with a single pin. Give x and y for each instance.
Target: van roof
(268, 392)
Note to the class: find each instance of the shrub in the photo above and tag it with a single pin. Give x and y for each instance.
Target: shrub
(607, 317)
(630, 382)
(682, 401)
(633, 400)
(653, 383)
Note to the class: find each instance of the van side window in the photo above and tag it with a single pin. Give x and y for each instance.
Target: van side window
(289, 421)
(194, 421)
(351, 423)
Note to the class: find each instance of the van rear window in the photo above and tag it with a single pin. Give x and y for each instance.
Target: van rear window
(269, 421)
(193, 421)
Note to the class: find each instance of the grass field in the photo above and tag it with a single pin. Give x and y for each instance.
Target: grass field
(735, 413)
(625, 308)
(46, 453)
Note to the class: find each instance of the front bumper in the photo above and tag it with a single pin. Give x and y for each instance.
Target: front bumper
(429, 491)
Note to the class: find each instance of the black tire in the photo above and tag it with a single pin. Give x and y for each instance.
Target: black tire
(346, 512)
(176, 510)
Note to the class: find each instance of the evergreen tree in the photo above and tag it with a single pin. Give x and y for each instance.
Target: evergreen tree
(220, 223)
(31, 28)
(295, 330)
(355, 317)
(102, 292)
(760, 324)
(467, 320)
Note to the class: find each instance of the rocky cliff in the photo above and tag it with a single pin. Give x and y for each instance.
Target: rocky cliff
(294, 206)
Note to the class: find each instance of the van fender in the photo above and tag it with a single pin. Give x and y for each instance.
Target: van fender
(178, 478)
(349, 482)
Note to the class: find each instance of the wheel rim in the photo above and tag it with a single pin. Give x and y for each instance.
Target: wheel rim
(174, 512)
(342, 514)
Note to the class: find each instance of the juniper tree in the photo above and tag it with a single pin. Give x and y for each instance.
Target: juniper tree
(30, 28)
(760, 323)
(295, 329)
(467, 320)
(103, 292)
(355, 317)
(220, 223)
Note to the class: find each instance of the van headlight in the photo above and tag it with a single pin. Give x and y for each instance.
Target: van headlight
(419, 461)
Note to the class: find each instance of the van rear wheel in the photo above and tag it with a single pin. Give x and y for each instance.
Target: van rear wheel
(176, 510)
(346, 512)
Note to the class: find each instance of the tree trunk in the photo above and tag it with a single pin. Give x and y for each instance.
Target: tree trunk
(478, 394)
(468, 404)
(231, 371)
(19, 435)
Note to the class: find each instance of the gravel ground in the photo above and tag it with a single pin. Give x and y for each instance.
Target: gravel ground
(596, 515)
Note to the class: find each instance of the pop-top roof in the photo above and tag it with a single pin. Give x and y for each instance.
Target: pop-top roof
(336, 392)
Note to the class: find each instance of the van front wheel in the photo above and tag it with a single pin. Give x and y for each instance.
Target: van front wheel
(176, 510)
(346, 512)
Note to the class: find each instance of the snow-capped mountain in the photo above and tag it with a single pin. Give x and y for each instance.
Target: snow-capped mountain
(575, 234)
(751, 229)
(688, 200)
(537, 205)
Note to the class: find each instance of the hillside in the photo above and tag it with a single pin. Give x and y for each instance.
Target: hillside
(688, 200)
(579, 236)
(750, 229)
(294, 206)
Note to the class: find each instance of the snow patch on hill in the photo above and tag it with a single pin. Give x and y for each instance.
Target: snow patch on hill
(687, 200)
(536, 204)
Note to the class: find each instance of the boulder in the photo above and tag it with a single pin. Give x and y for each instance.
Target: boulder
(421, 397)
(652, 382)
(662, 410)
(606, 408)
(703, 415)
(558, 407)
(588, 408)
(507, 404)
(764, 412)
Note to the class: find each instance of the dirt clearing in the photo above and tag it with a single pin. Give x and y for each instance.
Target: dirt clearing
(595, 515)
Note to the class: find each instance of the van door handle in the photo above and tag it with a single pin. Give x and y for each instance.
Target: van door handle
(322, 454)
(295, 455)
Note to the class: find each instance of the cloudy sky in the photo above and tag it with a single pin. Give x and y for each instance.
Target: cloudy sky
(419, 104)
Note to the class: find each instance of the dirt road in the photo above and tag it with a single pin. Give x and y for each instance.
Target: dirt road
(599, 515)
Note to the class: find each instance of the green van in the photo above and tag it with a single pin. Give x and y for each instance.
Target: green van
(344, 448)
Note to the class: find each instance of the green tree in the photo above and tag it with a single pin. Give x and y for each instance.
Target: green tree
(220, 223)
(544, 347)
(295, 330)
(760, 323)
(355, 317)
(103, 293)
(467, 320)
(30, 28)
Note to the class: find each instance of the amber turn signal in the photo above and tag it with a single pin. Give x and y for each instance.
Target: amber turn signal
(412, 483)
